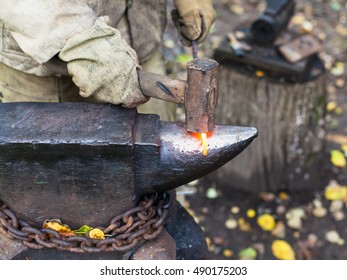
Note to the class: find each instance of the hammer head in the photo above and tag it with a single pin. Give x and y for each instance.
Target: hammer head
(201, 94)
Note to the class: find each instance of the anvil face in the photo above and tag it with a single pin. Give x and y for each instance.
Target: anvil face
(85, 163)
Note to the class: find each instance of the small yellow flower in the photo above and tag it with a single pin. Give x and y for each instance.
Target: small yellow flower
(266, 222)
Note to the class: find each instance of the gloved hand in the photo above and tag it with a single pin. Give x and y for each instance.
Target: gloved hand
(103, 66)
(193, 19)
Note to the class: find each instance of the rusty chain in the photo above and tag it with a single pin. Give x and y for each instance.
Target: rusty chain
(143, 222)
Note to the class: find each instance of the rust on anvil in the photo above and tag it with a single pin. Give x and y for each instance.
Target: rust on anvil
(83, 162)
(201, 95)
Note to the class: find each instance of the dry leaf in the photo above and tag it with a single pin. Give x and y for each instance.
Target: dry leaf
(333, 237)
(280, 230)
(331, 106)
(211, 193)
(267, 196)
(251, 213)
(338, 69)
(336, 192)
(243, 225)
(237, 9)
(266, 222)
(248, 254)
(338, 216)
(228, 253)
(231, 223)
(338, 158)
(344, 148)
(282, 250)
(283, 196)
(208, 242)
(259, 73)
(340, 83)
(298, 19)
(306, 27)
(235, 210)
(58, 226)
(320, 212)
(340, 29)
(336, 206)
(97, 234)
(294, 222)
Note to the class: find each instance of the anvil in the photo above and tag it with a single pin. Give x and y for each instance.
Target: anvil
(83, 162)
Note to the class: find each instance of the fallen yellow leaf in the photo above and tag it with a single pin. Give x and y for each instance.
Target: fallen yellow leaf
(338, 69)
(298, 19)
(331, 106)
(282, 250)
(237, 9)
(58, 226)
(341, 30)
(336, 192)
(97, 234)
(208, 242)
(338, 158)
(251, 213)
(243, 225)
(228, 253)
(306, 27)
(259, 74)
(266, 222)
(283, 196)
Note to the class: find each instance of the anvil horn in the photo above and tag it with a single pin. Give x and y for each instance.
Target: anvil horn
(180, 157)
(83, 163)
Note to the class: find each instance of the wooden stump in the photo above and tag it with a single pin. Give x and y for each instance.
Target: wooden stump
(290, 121)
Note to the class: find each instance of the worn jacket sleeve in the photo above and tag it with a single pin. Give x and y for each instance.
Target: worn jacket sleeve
(42, 28)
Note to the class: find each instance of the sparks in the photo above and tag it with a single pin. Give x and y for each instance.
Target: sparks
(204, 144)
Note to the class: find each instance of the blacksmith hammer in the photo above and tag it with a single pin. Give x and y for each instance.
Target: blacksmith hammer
(199, 93)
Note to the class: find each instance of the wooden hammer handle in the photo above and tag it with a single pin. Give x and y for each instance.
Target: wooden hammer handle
(162, 87)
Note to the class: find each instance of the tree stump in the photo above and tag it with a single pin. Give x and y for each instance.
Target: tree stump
(286, 155)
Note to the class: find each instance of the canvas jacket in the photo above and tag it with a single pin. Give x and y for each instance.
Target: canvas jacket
(34, 31)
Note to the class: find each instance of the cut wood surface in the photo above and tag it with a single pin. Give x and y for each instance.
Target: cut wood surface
(290, 121)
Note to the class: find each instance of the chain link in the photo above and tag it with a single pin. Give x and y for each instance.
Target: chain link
(143, 222)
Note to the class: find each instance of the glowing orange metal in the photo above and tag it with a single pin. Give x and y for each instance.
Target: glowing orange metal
(203, 138)
(204, 144)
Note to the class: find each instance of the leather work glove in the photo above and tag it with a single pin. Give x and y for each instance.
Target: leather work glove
(193, 19)
(103, 66)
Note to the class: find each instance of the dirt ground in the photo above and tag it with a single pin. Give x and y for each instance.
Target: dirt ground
(230, 219)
